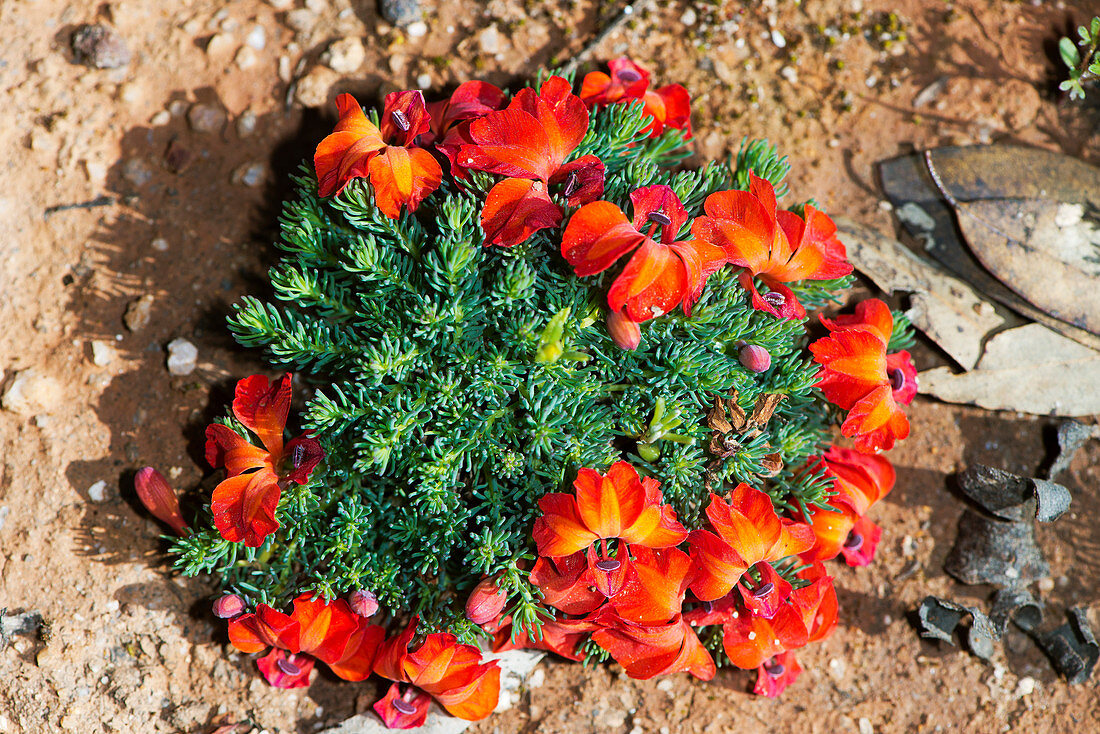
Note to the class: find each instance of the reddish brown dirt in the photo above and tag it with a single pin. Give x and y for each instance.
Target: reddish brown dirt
(128, 646)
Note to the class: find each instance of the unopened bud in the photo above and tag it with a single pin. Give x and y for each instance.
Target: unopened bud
(755, 358)
(363, 602)
(624, 331)
(228, 606)
(160, 499)
(486, 602)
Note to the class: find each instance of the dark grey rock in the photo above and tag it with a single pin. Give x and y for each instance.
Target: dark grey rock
(400, 12)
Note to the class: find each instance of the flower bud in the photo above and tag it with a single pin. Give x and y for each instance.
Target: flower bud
(228, 606)
(363, 602)
(755, 358)
(160, 499)
(486, 602)
(624, 331)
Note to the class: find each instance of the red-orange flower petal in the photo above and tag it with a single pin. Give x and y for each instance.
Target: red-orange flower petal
(653, 283)
(225, 447)
(286, 670)
(565, 584)
(324, 627)
(345, 153)
(775, 674)
(816, 603)
(357, 662)
(402, 177)
(655, 587)
(766, 597)
(561, 115)
(646, 651)
(403, 710)
(859, 547)
(244, 507)
(597, 235)
(404, 117)
(625, 81)
(515, 209)
(668, 106)
(750, 639)
(262, 407)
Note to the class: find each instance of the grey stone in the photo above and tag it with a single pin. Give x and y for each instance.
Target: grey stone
(400, 12)
(99, 47)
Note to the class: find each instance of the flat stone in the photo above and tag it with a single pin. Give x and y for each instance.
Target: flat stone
(99, 47)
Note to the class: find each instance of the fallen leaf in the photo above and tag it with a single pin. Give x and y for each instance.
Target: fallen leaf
(943, 307)
(989, 551)
(974, 173)
(1012, 497)
(1045, 251)
(1072, 647)
(1030, 369)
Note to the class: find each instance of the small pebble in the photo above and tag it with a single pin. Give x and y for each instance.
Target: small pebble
(246, 123)
(280, 4)
(4, 512)
(1025, 687)
(313, 88)
(778, 39)
(249, 174)
(246, 58)
(256, 38)
(102, 353)
(137, 171)
(400, 12)
(99, 47)
(98, 491)
(345, 56)
(419, 29)
(301, 20)
(138, 312)
(689, 17)
(489, 40)
(1046, 585)
(424, 81)
(161, 118)
(159, 244)
(865, 726)
(220, 46)
(182, 356)
(204, 118)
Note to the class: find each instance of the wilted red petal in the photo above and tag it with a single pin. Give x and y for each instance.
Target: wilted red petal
(784, 304)
(160, 499)
(402, 177)
(262, 407)
(775, 674)
(515, 209)
(357, 662)
(286, 670)
(244, 507)
(655, 586)
(565, 584)
(406, 107)
(413, 709)
(225, 447)
(859, 547)
(646, 651)
(345, 153)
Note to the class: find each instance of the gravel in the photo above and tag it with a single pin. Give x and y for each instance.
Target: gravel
(182, 357)
(400, 12)
(99, 47)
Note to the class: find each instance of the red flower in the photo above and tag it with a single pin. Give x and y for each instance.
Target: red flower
(816, 602)
(764, 598)
(452, 674)
(655, 586)
(666, 107)
(244, 503)
(648, 650)
(618, 504)
(747, 532)
(749, 639)
(451, 118)
(160, 499)
(857, 375)
(778, 247)
(662, 274)
(559, 636)
(775, 674)
(566, 584)
(859, 480)
(401, 173)
(329, 632)
(403, 710)
(528, 142)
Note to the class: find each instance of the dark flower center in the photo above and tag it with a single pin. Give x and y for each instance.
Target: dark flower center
(609, 564)
(287, 667)
(400, 120)
(570, 184)
(403, 706)
(660, 218)
(774, 669)
(299, 454)
(629, 76)
(897, 379)
(763, 590)
(854, 541)
(774, 298)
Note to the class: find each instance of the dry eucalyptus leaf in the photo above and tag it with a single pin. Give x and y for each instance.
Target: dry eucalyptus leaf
(974, 173)
(1030, 369)
(943, 307)
(1046, 251)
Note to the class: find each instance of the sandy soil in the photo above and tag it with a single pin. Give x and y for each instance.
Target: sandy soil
(192, 141)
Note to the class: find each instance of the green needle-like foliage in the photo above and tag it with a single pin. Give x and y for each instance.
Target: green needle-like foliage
(456, 384)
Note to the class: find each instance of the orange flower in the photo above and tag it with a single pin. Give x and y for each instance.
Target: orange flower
(857, 375)
(747, 532)
(648, 650)
(777, 247)
(775, 674)
(859, 480)
(618, 504)
(666, 107)
(655, 586)
(566, 584)
(452, 674)
(749, 639)
(816, 602)
(401, 172)
(329, 632)
(244, 503)
(559, 636)
(451, 118)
